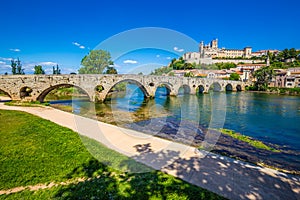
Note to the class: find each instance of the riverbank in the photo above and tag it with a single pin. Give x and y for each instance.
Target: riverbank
(279, 91)
(42, 160)
(192, 134)
(167, 126)
(222, 175)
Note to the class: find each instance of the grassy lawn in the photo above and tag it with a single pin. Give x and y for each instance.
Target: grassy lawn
(26, 104)
(34, 151)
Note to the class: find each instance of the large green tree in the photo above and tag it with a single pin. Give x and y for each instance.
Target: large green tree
(95, 62)
(234, 77)
(38, 69)
(111, 70)
(263, 77)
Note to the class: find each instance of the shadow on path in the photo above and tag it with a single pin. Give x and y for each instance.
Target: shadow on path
(222, 175)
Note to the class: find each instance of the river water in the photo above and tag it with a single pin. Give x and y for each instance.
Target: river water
(273, 119)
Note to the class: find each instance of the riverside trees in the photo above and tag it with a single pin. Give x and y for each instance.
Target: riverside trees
(263, 77)
(16, 67)
(96, 62)
(38, 69)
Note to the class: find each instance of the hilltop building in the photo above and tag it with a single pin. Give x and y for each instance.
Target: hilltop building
(211, 53)
(212, 50)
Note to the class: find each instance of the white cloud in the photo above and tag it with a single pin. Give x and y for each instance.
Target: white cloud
(46, 63)
(169, 58)
(78, 45)
(30, 65)
(48, 70)
(130, 62)
(178, 50)
(4, 68)
(5, 59)
(117, 66)
(157, 56)
(15, 50)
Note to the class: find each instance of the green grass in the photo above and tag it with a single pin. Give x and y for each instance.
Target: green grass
(34, 150)
(26, 104)
(255, 143)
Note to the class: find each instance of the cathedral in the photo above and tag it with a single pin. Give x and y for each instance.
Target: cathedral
(212, 50)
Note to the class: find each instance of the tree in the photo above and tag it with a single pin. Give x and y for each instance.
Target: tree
(16, 67)
(287, 53)
(171, 74)
(226, 65)
(95, 62)
(188, 74)
(172, 62)
(38, 69)
(20, 70)
(13, 67)
(111, 70)
(188, 66)
(263, 77)
(234, 77)
(56, 70)
(161, 71)
(179, 64)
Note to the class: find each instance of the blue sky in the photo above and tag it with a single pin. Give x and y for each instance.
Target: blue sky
(62, 32)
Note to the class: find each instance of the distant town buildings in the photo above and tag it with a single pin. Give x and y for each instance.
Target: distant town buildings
(207, 53)
(247, 62)
(284, 78)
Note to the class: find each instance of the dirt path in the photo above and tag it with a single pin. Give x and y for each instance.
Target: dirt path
(225, 176)
(42, 186)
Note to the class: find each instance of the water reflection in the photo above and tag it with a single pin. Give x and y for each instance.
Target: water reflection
(270, 118)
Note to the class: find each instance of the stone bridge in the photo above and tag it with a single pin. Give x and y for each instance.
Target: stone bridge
(36, 87)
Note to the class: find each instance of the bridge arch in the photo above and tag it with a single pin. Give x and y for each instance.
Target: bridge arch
(132, 81)
(238, 88)
(25, 92)
(216, 87)
(46, 91)
(229, 87)
(200, 89)
(5, 93)
(168, 87)
(186, 89)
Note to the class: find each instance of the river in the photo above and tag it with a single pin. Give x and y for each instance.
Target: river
(273, 119)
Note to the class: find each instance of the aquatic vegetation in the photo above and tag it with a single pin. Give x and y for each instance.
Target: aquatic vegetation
(247, 139)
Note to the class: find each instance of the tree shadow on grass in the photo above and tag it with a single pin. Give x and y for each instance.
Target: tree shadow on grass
(221, 175)
(107, 183)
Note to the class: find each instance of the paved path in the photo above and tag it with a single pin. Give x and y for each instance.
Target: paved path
(228, 177)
